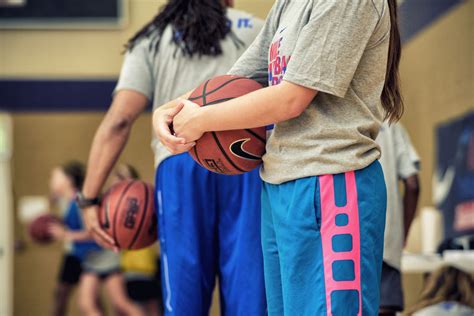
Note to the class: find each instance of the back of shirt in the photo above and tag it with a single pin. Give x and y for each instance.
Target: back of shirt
(165, 74)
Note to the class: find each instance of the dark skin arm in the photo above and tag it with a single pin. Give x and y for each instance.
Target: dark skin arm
(410, 201)
(108, 143)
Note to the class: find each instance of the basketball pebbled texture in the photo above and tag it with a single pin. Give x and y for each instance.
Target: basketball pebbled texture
(128, 214)
(228, 152)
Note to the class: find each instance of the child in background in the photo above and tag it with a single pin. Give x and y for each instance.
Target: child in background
(448, 292)
(139, 266)
(65, 181)
(98, 265)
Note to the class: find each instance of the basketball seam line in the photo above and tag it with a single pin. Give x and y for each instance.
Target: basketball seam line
(224, 153)
(115, 213)
(256, 135)
(142, 220)
(215, 89)
(196, 154)
(218, 101)
(204, 93)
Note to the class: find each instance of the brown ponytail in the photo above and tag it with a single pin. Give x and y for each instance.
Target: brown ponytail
(391, 98)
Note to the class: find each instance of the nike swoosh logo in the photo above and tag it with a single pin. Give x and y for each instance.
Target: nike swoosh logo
(107, 211)
(442, 185)
(237, 149)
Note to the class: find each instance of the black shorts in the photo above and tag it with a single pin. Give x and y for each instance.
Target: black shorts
(142, 290)
(391, 291)
(71, 270)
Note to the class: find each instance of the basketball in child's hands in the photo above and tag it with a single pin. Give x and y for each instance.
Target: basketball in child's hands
(128, 214)
(228, 152)
(38, 229)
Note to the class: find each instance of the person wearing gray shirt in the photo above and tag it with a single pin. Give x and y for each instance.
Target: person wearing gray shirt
(208, 223)
(331, 71)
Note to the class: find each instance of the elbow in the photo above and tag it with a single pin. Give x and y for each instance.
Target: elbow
(294, 99)
(119, 124)
(295, 108)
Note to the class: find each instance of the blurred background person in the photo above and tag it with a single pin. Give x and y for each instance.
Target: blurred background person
(65, 181)
(187, 42)
(400, 162)
(449, 291)
(97, 265)
(139, 266)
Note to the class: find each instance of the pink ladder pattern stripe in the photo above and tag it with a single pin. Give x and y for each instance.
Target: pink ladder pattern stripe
(329, 210)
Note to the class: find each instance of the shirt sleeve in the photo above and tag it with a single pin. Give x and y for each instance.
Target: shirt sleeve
(253, 63)
(408, 161)
(136, 73)
(330, 46)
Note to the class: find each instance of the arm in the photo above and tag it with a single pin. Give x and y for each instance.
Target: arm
(410, 201)
(265, 106)
(108, 143)
(60, 232)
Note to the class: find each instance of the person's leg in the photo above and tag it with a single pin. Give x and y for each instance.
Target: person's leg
(240, 251)
(271, 259)
(353, 209)
(88, 293)
(115, 290)
(391, 292)
(329, 231)
(296, 222)
(187, 227)
(61, 299)
(67, 280)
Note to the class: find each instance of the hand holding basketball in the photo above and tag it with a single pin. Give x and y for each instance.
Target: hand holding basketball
(91, 221)
(57, 231)
(162, 118)
(186, 122)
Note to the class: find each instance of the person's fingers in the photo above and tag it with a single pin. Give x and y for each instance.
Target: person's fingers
(174, 111)
(102, 238)
(165, 135)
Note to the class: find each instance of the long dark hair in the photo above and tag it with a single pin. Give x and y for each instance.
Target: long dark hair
(198, 26)
(391, 96)
(75, 171)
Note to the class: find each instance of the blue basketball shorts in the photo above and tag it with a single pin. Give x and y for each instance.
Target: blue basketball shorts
(322, 241)
(209, 225)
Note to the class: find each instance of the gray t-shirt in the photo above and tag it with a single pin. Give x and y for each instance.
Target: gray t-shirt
(338, 47)
(165, 74)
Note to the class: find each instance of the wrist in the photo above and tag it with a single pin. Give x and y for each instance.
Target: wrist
(200, 120)
(84, 201)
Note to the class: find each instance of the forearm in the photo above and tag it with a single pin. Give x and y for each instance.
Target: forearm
(262, 107)
(107, 146)
(81, 235)
(111, 137)
(410, 202)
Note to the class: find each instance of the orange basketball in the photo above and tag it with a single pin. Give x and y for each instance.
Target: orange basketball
(228, 152)
(128, 214)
